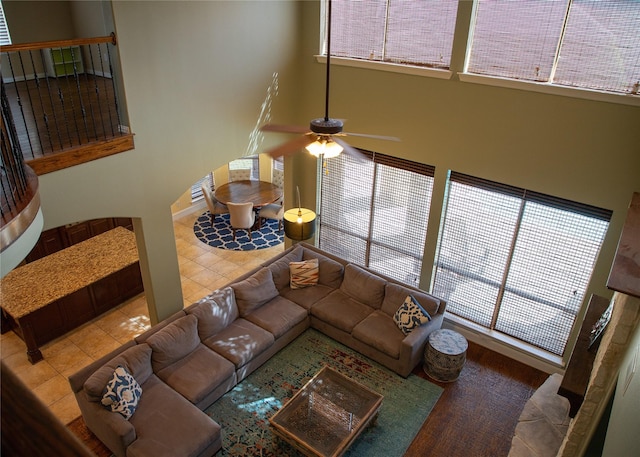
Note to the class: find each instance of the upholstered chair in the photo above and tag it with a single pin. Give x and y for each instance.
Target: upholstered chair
(242, 217)
(272, 211)
(240, 175)
(215, 207)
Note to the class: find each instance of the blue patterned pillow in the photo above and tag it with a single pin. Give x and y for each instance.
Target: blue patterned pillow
(122, 393)
(410, 315)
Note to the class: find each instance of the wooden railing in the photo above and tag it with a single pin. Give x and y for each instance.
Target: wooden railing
(63, 101)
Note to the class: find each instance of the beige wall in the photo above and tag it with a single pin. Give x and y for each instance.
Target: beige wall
(193, 96)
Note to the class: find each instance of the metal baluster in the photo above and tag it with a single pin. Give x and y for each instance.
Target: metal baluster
(51, 102)
(115, 91)
(96, 88)
(19, 101)
(83, 110)
(45, 116)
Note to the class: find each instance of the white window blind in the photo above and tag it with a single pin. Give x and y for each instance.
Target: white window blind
(5, 38)
(406, 32)
(591, 44)
(375, 213)
(516, 261)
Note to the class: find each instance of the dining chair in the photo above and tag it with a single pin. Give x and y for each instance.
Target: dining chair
(215, 207)
(240, 175)
(242, 217)
(272, 211)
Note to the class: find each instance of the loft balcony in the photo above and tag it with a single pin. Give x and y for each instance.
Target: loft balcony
(63, 102)
(61, 106)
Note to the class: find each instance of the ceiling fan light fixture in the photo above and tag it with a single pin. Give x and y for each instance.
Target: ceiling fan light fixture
(326, 148)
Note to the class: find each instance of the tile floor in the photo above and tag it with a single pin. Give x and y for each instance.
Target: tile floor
(202, 269)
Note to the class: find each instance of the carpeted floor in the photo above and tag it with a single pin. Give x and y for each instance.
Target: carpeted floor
(243, 413)
(220, 235)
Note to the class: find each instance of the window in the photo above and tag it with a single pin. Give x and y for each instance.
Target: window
(245, 168)
(5, 38)
(406, 32)
(375, 213)
(583, 44)
(592, 44)
(516, 261)
(196, 188)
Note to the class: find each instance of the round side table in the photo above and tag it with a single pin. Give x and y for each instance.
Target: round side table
(445, 355)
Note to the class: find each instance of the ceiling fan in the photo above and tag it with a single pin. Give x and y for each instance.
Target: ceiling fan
(323, 137)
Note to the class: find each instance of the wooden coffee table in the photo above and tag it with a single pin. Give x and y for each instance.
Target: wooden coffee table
(326, 416)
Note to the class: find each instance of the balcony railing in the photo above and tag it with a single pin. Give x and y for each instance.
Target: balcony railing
(63, 99)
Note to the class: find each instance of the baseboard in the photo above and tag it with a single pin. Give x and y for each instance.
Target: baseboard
(197, 207)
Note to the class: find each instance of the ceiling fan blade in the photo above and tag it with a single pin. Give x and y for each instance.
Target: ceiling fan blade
(348, 149)
(284, 128)
(375, 137)
(290, 147)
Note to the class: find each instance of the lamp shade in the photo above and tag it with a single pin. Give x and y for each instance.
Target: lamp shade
(299, 223)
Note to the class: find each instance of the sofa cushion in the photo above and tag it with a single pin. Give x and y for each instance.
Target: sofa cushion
(410, 315)
(136, 360)
(306, 297)
(198, 373)
(240, 342)
(214, 312)
(254, 291)
(380, 332)
(278, 316)
(174, 342)
(122, 393)
(167, 425)
(280, 268)
(395, 294)
(330, 271)
(340, 310)
(363, 286)
(303, 274)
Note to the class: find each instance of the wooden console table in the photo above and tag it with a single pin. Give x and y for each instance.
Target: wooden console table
(45, 299)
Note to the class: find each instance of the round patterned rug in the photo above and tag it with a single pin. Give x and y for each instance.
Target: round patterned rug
(221, 234)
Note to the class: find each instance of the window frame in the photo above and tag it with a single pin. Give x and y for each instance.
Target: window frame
(501, 265)
(457, 71)
(369, 237)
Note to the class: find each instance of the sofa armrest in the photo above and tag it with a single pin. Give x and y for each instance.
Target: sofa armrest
(111, 428)
(412, 348)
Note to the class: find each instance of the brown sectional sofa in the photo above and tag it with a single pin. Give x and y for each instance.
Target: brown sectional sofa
(185, 363)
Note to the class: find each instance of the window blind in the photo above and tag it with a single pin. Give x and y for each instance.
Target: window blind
(592, 44)
(375, 213)
(5, 38)
(405, 32)
(516, 261)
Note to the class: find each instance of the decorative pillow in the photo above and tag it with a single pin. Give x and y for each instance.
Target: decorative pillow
(410, 315)
(304, 274)
(122, 393)
(254, 291)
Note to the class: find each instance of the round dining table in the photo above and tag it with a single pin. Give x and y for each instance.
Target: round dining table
(259, 193)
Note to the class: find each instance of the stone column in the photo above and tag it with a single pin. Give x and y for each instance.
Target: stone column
(615, 341)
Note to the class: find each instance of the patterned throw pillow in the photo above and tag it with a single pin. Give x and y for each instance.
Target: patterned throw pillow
(304, 274)
(122, 393)
(410, 315)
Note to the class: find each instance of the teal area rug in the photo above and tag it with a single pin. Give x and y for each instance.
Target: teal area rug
(243, 412)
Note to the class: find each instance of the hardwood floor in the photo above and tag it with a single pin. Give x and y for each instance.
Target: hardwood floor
(475, 416)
